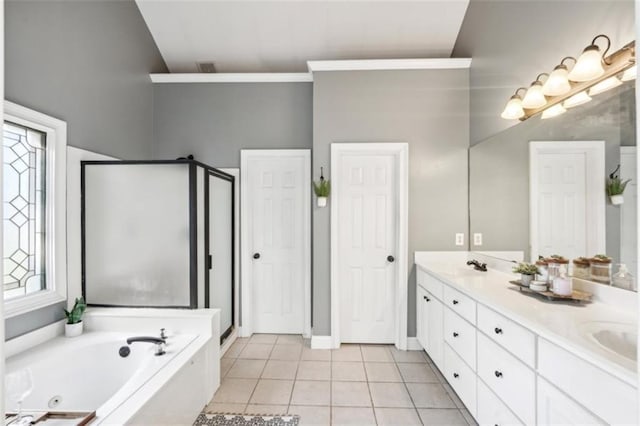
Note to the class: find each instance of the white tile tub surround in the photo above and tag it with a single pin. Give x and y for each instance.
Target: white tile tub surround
(171, 393)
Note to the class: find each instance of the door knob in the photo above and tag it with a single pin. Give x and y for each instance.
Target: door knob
(391, 258)
(256, 255)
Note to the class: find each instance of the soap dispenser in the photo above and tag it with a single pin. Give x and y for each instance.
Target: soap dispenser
(622, 278)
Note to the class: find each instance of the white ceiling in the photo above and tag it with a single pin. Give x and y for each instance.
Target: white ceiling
(280, 36)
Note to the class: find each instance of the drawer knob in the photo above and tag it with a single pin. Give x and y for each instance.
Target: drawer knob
(498, 330)
(426, 298)
(498, 374)
(456, 375)
(455, 302)
(455, 334)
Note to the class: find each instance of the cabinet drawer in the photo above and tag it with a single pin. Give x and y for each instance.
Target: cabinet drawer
(511, 380)
(491, 410)
(606, 396)
(461, 304)
(556, 408)
(511, 336)
(461, 378)
(429, 283)
(461, 336)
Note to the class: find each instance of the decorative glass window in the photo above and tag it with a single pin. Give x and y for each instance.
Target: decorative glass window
(24, 198)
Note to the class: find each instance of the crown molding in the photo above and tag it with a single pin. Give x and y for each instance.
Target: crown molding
(299, 77)
(389, 64)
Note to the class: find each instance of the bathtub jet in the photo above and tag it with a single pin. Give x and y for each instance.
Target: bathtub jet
(158, 341)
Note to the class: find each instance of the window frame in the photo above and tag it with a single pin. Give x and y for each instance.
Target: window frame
(55, 290)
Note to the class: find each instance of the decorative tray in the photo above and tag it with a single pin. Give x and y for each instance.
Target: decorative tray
(577, 296)
(54, 418)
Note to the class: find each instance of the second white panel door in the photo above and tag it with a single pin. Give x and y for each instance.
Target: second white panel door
(367, 221)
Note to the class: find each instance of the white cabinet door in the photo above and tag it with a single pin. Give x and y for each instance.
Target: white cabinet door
(421, 306)
(491, 410)
(434, 330)
(555, 408)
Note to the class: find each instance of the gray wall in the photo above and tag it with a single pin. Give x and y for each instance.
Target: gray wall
(215, 121)
(428, 110)
(87, 63)
(513, 41)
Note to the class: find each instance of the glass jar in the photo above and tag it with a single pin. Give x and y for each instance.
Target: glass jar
(554, 265)
(600, 270)
(581, 268)
(543, 271)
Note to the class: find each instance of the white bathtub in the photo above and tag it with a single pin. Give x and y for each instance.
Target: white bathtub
(87, 373)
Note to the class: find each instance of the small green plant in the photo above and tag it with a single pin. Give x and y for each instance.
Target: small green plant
(525, 269)
(75, 315)
(615, 185)
(322, 188)
(602, 258)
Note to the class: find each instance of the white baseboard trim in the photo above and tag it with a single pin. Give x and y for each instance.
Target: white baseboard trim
(321, 342)
(227, 343)
(413, 344)
(242, 332)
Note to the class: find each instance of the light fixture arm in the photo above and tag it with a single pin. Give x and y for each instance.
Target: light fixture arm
(604, 54)
(540, 75)
(568, 57)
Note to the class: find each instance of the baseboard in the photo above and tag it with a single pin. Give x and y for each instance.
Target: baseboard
(321, 342)
(413, 344)
(227, 343)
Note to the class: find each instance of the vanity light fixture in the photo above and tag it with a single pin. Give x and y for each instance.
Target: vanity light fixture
(554, 111)
(558, 82)
(534, 98)
(514, 110)
(629, 74)
(589, 64)
(605, 85)
(577, 99)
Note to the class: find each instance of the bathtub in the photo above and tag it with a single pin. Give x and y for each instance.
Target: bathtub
(87, 373)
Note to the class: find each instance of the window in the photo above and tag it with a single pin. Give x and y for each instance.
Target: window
(33, 210)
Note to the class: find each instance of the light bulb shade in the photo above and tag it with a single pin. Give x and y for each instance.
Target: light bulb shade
(589, 65)
(629, 74)
(534, 98)
(577, 99)
(554, 111)
(513, 110)
(558, 82)
(605, 85)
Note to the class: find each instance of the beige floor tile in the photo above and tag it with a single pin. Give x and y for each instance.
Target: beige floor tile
(347, 353)
(289, 339)
(256, 351)
(224, 407)
(390, 395)
(234, 350)
(286, 352)
(244, 340)
(468, 417)
(272, 392)
(397, 416)
(382, 372)
(417, 373)
(435, 416)
(350, 394)
(376, 353)
(312, 416)
(247, 368)
(314, 370)
(430, 395)
(276, 369)
(235, 390)
(265, 409)
(309, 354)
(360, 416)
(454, 396)
(408, 356)
(438, 374)
(311, 393)
(269, 339)
(225, 365)
(348, 371)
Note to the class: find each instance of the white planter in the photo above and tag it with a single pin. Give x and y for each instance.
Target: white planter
(526, 279)
(322, 201)
(73, 330)
(616, 200)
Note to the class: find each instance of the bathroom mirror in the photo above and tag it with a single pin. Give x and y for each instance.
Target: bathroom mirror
(507, 168)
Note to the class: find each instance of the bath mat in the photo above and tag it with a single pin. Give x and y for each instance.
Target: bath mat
(246, 420)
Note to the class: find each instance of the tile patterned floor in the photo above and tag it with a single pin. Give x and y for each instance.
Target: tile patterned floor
(356, 384)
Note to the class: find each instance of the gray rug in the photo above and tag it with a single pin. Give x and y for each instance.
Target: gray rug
(246, 420)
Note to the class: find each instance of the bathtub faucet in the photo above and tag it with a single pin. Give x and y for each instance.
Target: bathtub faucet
(158, 341)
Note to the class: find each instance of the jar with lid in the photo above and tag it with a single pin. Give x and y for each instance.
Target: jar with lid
(600, 269)
(554, 263)
(543, 270)
(581, 268)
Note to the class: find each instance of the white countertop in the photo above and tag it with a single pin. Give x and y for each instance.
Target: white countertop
(559, 323)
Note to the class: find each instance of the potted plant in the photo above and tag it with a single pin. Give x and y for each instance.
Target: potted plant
(73, 327)
(322, 188)
(526, 271)
(616, 187)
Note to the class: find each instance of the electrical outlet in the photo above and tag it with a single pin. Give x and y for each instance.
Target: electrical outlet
(460, 239)
(477, 239)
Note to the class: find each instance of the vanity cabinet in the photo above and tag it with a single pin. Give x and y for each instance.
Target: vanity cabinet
(554, 407)
(429, 329)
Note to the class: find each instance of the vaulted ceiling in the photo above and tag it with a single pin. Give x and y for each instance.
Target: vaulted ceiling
(280, 36)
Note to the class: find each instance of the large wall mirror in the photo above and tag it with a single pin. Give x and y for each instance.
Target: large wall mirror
(539, 187)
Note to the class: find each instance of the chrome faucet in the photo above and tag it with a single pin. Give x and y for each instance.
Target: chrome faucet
(477, 265)
(158, 341)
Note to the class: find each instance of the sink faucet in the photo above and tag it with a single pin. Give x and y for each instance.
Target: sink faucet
(158, 341)
(477, 265)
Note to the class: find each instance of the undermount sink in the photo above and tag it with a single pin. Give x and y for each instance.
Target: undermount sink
(619, 338)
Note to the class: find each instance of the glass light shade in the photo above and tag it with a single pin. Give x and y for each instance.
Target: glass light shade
(554, 111)
(605, 85)
(513, 110)
(534, 98)
(558, 82)
(589, 65)
(577, 99)
(629, 74)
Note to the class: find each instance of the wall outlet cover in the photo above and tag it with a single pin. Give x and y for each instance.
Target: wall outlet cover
(477, 239)
(460, 239)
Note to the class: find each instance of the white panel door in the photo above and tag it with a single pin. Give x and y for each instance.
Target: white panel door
(629, 210)
(277, 209)
(368, 230)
